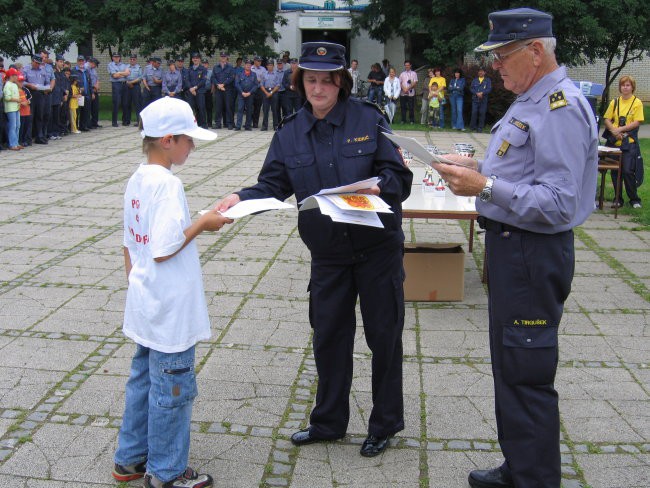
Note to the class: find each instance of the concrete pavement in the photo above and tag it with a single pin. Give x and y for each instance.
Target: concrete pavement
(64, 361)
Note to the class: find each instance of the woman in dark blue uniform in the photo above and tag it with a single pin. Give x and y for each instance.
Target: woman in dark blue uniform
(335, 140)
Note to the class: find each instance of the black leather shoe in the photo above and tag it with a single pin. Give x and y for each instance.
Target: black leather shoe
(490, 478)
(374, 446)
(304, 437)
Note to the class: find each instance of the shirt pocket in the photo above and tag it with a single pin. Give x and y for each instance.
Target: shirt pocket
(511, 152)
(301, 169)
(358, 159)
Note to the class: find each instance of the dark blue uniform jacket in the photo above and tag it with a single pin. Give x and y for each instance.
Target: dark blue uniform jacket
(307, 155)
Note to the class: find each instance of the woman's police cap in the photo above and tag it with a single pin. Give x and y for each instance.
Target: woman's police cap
(322, 56)
(508, 26)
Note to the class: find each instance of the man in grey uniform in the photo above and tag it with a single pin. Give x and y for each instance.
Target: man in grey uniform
(118, 72)
(537, 182)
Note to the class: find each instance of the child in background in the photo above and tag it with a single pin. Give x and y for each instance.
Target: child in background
(25, 132)
(434, 104)
(74, 103)
(166, 313)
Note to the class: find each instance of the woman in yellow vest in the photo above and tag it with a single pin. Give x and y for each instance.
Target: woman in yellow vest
(623, 118)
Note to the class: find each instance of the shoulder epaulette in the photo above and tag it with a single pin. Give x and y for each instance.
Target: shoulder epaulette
(557, 100)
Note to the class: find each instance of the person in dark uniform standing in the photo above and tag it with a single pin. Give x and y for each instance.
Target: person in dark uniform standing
(132, 92)
(47, 94)
(85, 88)
(258, 98)
(291, 100)
(537, 182)
(152, 81)
(480, 88)
(209, 103)
(94, 99)
(59, 94)
(335, 140)
(245, 85)
(118, 72)
(197, 78)
(223, 84)
(180, 67)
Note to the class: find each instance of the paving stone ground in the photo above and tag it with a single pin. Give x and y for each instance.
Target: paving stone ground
(64, 361)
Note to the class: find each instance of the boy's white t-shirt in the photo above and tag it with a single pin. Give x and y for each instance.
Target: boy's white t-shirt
(165, 302)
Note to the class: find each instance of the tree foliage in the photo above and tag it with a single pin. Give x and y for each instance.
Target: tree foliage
(182, 26)
(177, 26)
(27, 26)
(444, 32)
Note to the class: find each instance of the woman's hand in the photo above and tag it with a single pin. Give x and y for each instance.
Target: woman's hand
(226, 203)
(374, 190)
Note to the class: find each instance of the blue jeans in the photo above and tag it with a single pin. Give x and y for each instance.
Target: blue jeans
(13, 127)
(156, 422)
(456, 102)
(375, 94)
(442, 115)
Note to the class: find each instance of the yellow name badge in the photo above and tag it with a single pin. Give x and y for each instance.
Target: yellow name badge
(530, 323)
(359, 139)
(557, 100)
(503, 149)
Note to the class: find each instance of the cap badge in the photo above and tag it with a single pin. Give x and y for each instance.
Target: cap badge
(321, 51)
(491, 25)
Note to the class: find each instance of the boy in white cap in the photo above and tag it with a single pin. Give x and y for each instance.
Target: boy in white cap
(166, 313)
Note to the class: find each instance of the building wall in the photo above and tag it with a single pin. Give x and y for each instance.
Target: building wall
(596, 73)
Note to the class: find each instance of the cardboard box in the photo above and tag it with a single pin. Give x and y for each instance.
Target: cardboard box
(434, 272)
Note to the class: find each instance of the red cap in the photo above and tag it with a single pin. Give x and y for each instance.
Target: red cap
(12, 72)
(21, 78)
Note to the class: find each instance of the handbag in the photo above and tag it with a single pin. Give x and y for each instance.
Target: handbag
(81, 101)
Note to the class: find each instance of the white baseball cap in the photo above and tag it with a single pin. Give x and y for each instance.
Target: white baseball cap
(172, 116)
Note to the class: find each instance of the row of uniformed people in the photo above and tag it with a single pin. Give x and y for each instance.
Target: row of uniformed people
(133, 88)
(49, 86)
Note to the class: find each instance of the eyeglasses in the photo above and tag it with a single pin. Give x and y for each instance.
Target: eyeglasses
(494, 56)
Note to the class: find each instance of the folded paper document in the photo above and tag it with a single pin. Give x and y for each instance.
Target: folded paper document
(419, 151)
(248, 207)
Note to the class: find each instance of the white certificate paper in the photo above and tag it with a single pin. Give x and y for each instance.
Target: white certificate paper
(248, 207)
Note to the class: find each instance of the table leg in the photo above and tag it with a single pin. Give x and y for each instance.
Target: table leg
(471, 235)
(601, 196)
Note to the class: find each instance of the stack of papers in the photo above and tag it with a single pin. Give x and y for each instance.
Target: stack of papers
(343, 205)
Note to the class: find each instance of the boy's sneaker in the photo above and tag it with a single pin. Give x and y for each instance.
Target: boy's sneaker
(130, 472)
(189, 479)
(636, 205)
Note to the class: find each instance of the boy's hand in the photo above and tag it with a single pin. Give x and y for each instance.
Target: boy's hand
(213, 221)
(226, 203)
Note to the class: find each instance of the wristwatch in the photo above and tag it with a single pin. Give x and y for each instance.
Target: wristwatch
(486, 192)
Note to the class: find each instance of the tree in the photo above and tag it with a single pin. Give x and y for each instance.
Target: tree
(27, 26)
(617, 33)
(180, 26)
(183, 26)
(445, 32)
